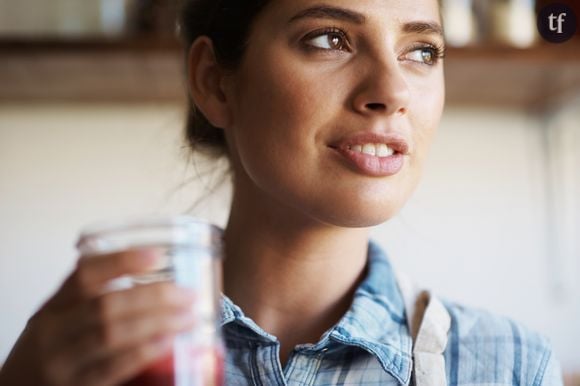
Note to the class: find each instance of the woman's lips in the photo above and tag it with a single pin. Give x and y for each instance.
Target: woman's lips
(372, 165)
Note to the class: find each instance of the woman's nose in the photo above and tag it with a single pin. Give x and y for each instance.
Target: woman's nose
(383, 90)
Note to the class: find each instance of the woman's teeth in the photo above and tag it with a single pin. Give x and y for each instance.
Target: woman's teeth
(374, 149)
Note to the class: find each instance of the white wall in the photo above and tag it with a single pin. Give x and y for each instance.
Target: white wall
(62, 166)
(475, 230)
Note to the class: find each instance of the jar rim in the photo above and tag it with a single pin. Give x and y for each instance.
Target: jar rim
(203, 231)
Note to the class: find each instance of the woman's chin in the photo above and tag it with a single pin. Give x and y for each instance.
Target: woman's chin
(360, 216)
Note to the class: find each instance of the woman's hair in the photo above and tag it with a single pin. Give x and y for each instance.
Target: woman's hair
(227, 23)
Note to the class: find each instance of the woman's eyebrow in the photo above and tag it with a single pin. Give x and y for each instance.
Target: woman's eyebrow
(329, 12)
(423, 27)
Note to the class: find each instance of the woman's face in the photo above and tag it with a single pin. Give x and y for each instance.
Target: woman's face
(317, 74)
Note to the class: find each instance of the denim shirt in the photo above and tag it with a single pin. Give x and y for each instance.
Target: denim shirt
(371, 344)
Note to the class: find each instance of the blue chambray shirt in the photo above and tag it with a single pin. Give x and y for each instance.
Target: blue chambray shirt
(371, 344)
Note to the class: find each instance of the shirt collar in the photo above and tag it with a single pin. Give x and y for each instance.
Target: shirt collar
(375, 322)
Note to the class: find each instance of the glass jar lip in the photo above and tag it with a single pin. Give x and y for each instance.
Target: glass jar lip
(203, 230)
(136, 222)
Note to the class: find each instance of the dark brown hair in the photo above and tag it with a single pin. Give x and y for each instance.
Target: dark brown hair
(227, 23)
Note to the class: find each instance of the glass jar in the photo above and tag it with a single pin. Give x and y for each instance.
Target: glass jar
(192, 253)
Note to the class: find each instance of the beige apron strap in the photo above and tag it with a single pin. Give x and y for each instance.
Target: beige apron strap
(429, 323)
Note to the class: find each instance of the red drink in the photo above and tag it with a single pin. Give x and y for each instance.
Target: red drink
(202, 368)
(159, 374)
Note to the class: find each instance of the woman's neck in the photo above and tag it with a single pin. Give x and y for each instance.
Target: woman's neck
(294, 276)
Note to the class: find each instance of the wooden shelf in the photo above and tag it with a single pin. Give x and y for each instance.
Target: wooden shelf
(92, 70)
(534, 78)
(149, 69)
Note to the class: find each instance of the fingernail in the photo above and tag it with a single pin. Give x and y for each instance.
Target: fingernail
(163, 343)
(153, 257)
(146, 254)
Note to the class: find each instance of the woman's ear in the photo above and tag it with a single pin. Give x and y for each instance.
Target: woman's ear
(205, 78)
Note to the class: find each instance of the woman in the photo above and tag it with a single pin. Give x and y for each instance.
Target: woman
(326, 111)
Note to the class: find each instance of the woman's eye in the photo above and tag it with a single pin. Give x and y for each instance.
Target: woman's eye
(328, 40)
(425, 55)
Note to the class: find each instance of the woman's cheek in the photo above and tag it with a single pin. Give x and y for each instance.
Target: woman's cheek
(425, 114)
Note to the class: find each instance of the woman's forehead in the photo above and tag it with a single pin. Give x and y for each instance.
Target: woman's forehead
(365, 10)
(395, 16)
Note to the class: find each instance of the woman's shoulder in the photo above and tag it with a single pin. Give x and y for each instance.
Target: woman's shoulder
(496, 350)
(473, 324)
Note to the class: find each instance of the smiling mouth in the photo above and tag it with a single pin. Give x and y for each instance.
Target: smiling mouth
(369, 161)
(379, 150)
(374, 143)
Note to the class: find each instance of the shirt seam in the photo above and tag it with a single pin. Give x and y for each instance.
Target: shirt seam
(314, 374)
(255, 372)
(275, 357)
(539, 378)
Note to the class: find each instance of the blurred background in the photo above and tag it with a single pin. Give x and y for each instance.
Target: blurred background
(92, 106)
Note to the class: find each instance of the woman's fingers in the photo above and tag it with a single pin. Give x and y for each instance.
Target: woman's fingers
(106, 340)
(108, 309)
(97, 331)
(125, 364)
(85, 335)
(94, 272)
(141, 299)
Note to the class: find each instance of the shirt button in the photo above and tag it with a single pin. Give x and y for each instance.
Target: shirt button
(324, 349)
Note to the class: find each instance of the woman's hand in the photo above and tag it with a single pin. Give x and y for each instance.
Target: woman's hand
(83, 336)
